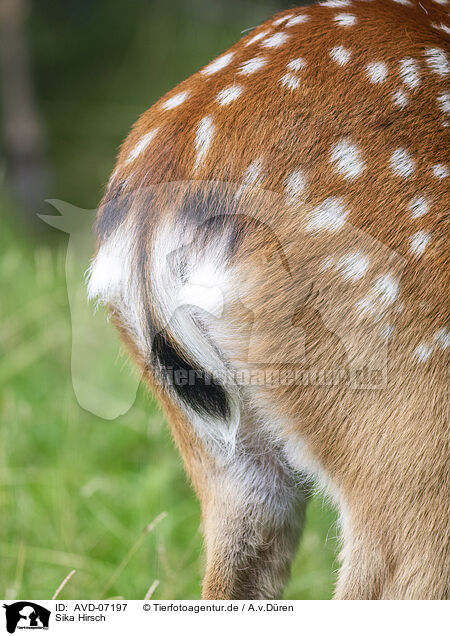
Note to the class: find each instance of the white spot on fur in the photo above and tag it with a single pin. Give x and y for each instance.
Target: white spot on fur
(400, 98)
(444, 103)
(218, 64)
(298, 19)
(281, 20)
(348, 160)
(229, 94)
(336, 4)
(175, 101)
(376, 72)
(256, 38)
(329, 215)
(290, 81)
(419, 206)
(402, 164)
(253, 176)
(384, 292)
(386, 287)
(409, 72)
(422, 352)
(340, 55)
(442, 337)
(295, 186)
(441, 2)
(440, 170)
(419, 242)
(345, 19)
(353, 267)
(327, 263)
(297, 64)
(406, 3)
(437, 61)
(275, 40)
(203, 138)
(387, 331)
(252, 66)
(441, 27)
(141, 145)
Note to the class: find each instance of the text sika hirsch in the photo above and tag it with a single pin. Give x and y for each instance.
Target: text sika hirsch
(272, 247)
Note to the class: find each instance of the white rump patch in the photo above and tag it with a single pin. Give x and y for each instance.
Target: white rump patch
(348, 160)
(206, 284)
(345, 19)
(111, 279)
(419, 242)
(377, 72)
(252, 66)
(203, 138)
(402, 164)
(340, 55)
(175, 101)
(409, 72)
(141, 145)
(437, 60)
(330, 215)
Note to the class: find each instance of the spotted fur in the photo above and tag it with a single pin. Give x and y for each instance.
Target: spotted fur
(286, 208)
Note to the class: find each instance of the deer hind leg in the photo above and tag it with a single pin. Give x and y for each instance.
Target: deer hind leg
(390, 564)
(253, 509)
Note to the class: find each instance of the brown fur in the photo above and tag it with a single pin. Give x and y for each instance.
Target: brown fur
(384, 450)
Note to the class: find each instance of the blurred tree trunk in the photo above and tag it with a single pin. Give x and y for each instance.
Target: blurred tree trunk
(23, 137)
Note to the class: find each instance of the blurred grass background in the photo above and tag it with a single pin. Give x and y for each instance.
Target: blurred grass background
(77, 491)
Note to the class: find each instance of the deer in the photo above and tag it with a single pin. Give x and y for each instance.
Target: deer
(272, 248)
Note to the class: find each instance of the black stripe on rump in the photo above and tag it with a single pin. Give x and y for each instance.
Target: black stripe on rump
(196, 388)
